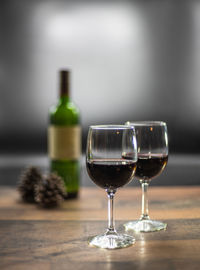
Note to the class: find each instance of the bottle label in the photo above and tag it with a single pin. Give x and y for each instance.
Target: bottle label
(64, 142)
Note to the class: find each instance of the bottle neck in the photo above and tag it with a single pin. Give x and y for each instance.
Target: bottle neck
(64, 99)
(64, 86)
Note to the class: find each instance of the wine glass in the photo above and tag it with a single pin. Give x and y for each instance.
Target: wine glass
(152, 143)
(111, 162)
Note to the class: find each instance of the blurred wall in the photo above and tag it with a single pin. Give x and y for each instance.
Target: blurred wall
(131, 60)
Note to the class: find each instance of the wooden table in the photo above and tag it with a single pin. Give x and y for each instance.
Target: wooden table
(33, 238)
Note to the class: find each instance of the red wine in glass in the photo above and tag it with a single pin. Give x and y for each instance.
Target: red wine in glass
(111, 173)
(150, 166)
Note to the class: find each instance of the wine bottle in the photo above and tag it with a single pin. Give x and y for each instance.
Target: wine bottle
(64, 138)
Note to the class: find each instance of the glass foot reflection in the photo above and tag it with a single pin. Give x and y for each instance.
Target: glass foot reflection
(112, 241)
(145, 225)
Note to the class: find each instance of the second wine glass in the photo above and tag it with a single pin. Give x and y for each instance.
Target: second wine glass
(152, 143)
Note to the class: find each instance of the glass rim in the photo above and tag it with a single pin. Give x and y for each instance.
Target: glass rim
(111, 127)
(146, 123)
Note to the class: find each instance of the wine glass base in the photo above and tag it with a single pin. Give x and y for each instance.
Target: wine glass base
(112, 241)
(145, 225)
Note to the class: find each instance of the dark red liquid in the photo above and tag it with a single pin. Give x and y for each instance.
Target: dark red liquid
(111, 174)
(150, 166)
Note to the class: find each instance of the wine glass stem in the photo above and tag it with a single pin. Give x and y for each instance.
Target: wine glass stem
(145, 210)
(111, 223)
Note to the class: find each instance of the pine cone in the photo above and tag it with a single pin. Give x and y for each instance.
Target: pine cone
(50, 192)
(28, 180)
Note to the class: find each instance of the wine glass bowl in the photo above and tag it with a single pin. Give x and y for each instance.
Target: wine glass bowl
(152, 143)
(111, 158)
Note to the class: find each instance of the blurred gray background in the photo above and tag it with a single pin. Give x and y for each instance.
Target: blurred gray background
(130, 60)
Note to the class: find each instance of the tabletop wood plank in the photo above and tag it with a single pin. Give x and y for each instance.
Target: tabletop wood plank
(170, 202)
(34, 238)
(65, 243)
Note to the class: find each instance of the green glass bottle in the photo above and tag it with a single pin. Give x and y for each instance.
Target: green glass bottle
(64, 138)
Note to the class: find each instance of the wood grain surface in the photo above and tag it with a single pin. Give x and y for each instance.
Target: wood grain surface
(35, 238)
